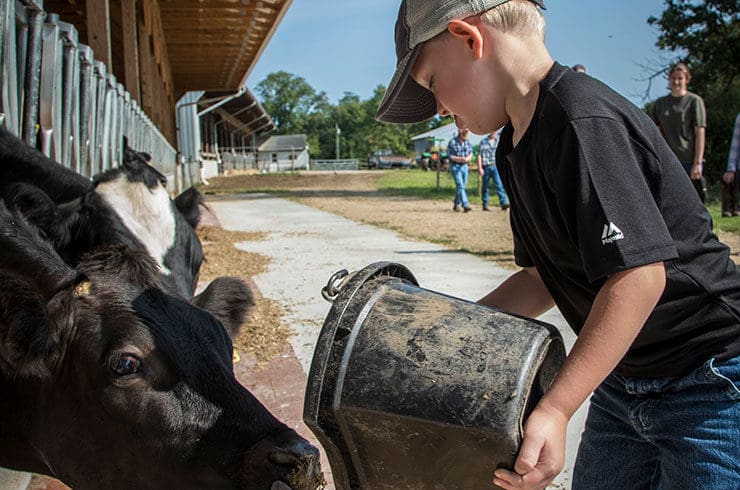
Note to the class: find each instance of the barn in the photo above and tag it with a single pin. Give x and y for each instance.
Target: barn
(282, 153)
(169, 75)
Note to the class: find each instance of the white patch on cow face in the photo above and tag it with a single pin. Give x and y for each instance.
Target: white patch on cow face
(147, 213)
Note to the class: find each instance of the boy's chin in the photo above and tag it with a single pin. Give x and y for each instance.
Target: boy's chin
(460, 122)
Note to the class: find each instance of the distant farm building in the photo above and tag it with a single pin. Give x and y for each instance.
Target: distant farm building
(439, 137)
(282, 153)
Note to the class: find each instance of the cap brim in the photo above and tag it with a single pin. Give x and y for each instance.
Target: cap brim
(406, 101)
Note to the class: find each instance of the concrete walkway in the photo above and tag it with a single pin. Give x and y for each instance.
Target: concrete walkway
(307, 246)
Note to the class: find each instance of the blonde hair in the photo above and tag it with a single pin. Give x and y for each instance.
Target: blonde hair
(516, 17)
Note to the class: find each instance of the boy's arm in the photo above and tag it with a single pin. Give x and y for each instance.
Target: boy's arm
(523, 293)
(618, 314)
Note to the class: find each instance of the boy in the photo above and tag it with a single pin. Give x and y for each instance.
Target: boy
(607, 228)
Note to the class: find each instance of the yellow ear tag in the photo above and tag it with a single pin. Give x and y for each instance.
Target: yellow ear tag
(82, 289)
(235, 356)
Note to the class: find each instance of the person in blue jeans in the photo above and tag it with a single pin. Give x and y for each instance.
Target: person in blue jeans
(487, 169)
(605, 226)
(460, 153)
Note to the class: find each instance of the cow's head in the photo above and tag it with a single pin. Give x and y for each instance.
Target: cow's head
(128, 205)
(109, 382)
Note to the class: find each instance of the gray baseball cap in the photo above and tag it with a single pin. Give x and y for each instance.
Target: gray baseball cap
(418, 21)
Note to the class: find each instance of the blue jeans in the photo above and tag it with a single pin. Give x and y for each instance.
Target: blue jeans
(490, 172)
(460, 175)
(679, 433)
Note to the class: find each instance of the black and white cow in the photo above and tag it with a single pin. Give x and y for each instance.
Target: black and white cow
(109, 382)
(128, 205)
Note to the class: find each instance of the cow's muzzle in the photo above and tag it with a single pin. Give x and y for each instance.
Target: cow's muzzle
(291, 462)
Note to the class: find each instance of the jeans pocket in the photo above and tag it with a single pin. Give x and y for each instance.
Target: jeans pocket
(727, 374)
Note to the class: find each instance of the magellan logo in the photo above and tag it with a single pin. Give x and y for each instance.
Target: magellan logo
(611, 234)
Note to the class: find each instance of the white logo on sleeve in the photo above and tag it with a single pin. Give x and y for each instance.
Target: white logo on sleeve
(611, 234)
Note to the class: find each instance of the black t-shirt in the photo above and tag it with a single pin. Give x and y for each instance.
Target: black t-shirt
(594, 190)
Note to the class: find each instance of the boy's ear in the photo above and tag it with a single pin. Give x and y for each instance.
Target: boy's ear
(469, 33)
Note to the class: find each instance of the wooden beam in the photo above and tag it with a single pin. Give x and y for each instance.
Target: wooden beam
(168, 5)
(98, 30)
(130, 48)
(145, 67)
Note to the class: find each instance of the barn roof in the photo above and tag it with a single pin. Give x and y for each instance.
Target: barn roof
(237, 30)
(210, 44)
(243, 112)
(284, 142)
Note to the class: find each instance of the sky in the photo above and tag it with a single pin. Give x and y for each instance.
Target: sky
(341, 46)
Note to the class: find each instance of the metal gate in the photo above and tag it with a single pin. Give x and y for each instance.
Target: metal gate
(58, 98)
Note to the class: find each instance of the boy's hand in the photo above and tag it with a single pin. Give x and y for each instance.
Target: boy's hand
(542, 454)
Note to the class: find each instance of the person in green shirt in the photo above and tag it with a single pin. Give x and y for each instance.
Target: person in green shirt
(682, 119)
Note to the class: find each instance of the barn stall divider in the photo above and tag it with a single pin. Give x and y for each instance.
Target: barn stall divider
(58, 98)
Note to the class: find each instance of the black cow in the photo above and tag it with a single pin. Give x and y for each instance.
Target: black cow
(109, 382)
(128, 205)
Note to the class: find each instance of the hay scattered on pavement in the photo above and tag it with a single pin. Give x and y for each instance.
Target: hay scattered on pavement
(263, 334)
(224, 259)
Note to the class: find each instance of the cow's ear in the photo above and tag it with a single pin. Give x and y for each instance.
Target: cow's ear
(24, 253)
(34, 204)
(188, 203)
(29, 343)
(229, 299)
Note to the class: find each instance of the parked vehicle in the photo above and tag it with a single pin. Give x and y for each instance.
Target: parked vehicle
(432, 160)
(386, 159)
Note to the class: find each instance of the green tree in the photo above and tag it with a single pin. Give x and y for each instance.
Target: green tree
(706, 35)
(296, 107)
(290, 101)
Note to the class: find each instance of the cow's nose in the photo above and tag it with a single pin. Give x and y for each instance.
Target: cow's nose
(293, 453)
(298, 463)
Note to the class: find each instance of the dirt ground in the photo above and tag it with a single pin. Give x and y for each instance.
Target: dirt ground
(354, 196)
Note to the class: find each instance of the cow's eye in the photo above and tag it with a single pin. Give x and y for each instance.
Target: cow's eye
(125, 364)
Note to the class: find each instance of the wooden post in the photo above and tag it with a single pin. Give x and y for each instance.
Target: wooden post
(130, 48)
(98, 31)
(145, 64)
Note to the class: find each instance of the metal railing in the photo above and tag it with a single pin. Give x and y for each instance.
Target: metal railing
(238, 160)
(58, 98)
(346, 164)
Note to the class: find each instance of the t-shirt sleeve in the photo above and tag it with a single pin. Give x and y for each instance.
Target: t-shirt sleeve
(608, 186)
(521, 257)
(700, 113)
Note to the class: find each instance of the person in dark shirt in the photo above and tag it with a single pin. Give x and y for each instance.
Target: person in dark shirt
(607, 227)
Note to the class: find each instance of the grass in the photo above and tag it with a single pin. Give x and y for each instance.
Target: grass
(421, 184)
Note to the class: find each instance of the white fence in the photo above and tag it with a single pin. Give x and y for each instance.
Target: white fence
(336, 165)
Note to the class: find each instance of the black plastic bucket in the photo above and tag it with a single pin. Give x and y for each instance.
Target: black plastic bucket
(413, 389)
